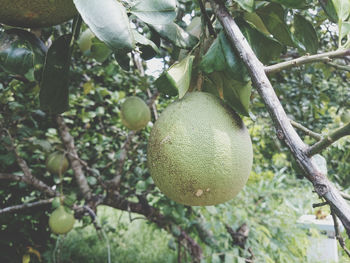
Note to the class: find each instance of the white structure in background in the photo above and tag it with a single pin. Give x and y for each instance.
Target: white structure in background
(322, 249)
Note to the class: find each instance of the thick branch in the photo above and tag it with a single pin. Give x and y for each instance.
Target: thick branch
(324, 57)
(17, 208)
(73, 157)
(329, 139)
(285, 131)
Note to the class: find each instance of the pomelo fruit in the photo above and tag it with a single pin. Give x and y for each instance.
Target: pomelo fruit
(345, 116)
(199, 151)
(135, 113)
(61, 221)
(56, 163)
(36, 13)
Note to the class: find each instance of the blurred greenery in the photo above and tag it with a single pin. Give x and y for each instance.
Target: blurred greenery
(275, 196)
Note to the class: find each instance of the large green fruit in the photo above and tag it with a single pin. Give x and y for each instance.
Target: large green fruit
(56, 163)
(199, 151)
(61, 221)
(135, 113)
(36, 13)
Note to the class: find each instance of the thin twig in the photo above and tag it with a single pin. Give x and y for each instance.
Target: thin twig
(337, 66)
(332, 137)
(319, 204)
(16, 208)
(207, 19)
(323, 57)
(307, 131)
(337, 233)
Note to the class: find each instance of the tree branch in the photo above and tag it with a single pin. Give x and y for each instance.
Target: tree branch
(337, 233)
(329, 139)
(153, 215)
(312, 134)
(207, 19)
(285, 131)
(323, 57)
(73, 157)
(17, 208)
(28, 177)
(337, 66)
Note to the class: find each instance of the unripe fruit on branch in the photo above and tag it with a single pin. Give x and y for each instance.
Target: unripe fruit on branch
(199, 151)
(36, 13)
(61, 221)
(345, 116)
(57, 163)
(135, 113)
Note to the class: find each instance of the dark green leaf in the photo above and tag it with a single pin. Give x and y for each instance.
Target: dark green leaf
(20, 51)
(108, 21)
(143, 41)
(99, 50)
(123, 59)
(155, 11)
(265, 47)
(55, 79)
(166, 84)
(273, 18)
(305, 34)
(175, 34)
(329, 9)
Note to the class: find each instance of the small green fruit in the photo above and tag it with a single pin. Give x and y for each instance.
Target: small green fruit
(85, 40)
(61, 221)
(199, 151)
(135, 113)
(345, 116)
(57, 163)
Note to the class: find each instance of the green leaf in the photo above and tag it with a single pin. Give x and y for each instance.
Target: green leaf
(123, 59)
(235, 93)
(109, 21)
(177, 77)
(247, 5)
(342, 7)
(55, 79)
(176, 35)
(221, 57)
(345, 29)
(156, 12)
(305, 34)
(20, 52)
(255, 20)
(144, 41)
(272, 16)
(329, 9)
(291, 3)
(265, 47)
(99, 50)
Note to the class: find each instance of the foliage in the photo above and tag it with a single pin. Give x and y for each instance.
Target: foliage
(90, 92)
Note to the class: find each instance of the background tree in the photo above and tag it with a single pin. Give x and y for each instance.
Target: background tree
(56, 97)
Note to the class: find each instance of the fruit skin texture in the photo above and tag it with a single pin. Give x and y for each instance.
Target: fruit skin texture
(199, 151)
(135, 113)
(57, 161)
(36, 13)
(60, 221)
